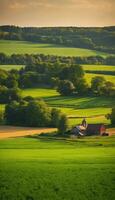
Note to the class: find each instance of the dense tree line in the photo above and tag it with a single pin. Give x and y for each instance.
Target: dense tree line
(26, 59)
(102, 39)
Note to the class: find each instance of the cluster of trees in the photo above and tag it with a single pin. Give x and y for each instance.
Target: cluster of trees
(34, 114)
(92, 38)
(9, 94)
(101, 87)
(9, 86)
(28, 59)
(67, 78)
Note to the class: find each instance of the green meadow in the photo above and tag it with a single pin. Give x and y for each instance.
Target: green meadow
(22, 47)
(46, 169)
(10, 67)
(99, 68)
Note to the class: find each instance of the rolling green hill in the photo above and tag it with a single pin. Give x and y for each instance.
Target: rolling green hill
(22, 47)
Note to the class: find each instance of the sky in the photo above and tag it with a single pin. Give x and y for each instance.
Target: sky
(47, 13)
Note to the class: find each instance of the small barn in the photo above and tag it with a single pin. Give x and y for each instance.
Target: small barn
(95, 129)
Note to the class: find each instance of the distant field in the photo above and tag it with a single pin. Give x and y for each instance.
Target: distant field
(99, 68)
(9, 67)
(89, 76)
(21, 47)
(2, 107)
(48, 169)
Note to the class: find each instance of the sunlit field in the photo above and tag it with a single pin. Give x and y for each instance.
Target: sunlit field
(99, 68)
(10, 67)
(22, 47)
(49, 169)
(89, 76)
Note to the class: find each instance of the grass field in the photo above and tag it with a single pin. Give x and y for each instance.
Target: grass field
(99, 68)
(9, 67)
(89, 76)
(2, 107)
(43, 169)
(21, 47)
(94, 108)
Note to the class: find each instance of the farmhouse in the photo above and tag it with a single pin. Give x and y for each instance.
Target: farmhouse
(91, 129)
(95, 129)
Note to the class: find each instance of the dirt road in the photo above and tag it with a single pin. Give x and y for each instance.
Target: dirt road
(12, 131)
(111, 131)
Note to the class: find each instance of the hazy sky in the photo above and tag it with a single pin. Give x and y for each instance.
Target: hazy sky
(57, 12)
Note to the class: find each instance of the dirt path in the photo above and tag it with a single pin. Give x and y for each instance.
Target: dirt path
(111, 131)
(12, 131)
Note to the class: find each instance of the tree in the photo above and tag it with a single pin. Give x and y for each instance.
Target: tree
(7, 95)
(3, 94)
(112, 116)
(63, 124)
(82, 87)
(55, 117)
(72, 73)
(66, 88)
(11, 114)
(97, 83)
(3, 77)
(14, 94)
(11, 82)
(108, 89)
(1, 117)
(33, 114)
(38, 114)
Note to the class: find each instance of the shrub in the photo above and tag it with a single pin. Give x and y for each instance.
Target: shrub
(63, 124)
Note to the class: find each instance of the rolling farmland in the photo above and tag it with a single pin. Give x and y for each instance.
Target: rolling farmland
(22, 47)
